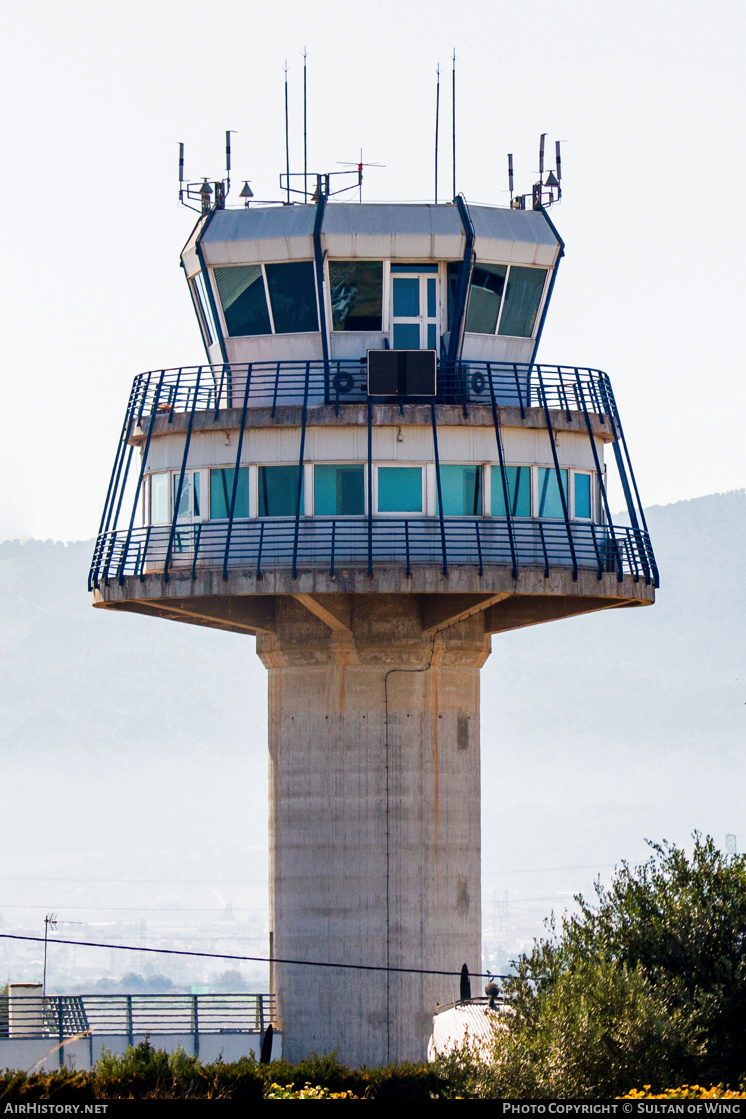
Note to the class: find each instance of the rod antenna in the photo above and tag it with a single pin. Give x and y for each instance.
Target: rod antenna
(437, 128)
(453, 113)
(558, 160)
(305, 129)
(287, 135)
(510, 176)
(181, 172)
(542, 138)
(227, 160)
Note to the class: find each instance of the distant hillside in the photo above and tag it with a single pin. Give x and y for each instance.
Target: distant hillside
(595, 731)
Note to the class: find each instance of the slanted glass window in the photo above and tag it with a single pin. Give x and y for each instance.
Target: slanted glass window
(518, 479)
(522, 299)
(203, 302)
(278, 491)
(241, 291)
(159, 503)
(292, 293)
(338, 491)
(582, 495)
(356, 294)
(399, 489)
(487, 284)
(550, 502)
(187, 504)
(462, 491)
(221, 492)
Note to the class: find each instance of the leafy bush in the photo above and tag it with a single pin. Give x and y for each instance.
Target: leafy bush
(147, 1073)
(646, 986)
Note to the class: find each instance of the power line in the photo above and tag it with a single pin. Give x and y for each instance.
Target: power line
(253, 959)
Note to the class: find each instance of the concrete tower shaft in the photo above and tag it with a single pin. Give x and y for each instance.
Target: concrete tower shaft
(374, 817)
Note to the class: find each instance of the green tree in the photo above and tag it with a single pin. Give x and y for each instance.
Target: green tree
(645, 985)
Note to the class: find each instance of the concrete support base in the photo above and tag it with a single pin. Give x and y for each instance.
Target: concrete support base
(374, 821)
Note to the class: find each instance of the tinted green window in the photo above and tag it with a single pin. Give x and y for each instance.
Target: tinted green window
(487, 283)
(462, 491)
(406, 336)
(522, 299)
(292, 293)
(550, 502)
(184, 502)
(356, 294)
(518, 479)
(221, 492)
(399, 489)
(582, 491)
(278, 491)
(244, 303)
(159, 508)
(338, 490)
(406, 296)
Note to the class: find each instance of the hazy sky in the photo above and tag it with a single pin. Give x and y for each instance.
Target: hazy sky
(647, 97)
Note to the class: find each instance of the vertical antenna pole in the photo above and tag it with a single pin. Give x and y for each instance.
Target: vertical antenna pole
(453, 112)
(542, 138)
(227, 161)
(437, 125)
(558, 162)
(181, 172)
(287, 137)
(510, 176)
(305, 130)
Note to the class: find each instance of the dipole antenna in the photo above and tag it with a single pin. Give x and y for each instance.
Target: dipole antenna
(305, 130)
(453, 113)
(287, 135)
(437, 125)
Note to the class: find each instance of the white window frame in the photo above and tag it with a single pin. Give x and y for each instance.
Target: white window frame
(311, 488)
(532, 487)
(273, 332)
(584, 520)
(461, 462)
(422, 467)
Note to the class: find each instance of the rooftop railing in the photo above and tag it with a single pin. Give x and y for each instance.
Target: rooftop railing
(276, 384)
(64, 1016)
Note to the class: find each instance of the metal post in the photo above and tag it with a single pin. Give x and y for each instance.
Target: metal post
(234, 491)
(299, 492)
(439, 487)
(177, 498)
(503, 475)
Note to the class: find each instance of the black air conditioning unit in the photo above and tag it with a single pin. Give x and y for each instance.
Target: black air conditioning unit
(402, 372)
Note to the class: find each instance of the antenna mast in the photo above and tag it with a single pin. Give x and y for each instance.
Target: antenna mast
(437, 125)
(287, 135)
(305, 130)
(453, 112)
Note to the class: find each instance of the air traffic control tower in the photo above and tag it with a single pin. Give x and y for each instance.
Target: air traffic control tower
(371, 474)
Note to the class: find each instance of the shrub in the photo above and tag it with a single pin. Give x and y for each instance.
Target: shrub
(648, 985)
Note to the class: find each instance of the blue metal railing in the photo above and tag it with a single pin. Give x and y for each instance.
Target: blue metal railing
(582, 395)
(333, 543)
(280, 383)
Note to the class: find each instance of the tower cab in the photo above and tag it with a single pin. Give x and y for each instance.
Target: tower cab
(297, 283)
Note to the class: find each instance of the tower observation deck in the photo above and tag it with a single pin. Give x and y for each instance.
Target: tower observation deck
(372, 475)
